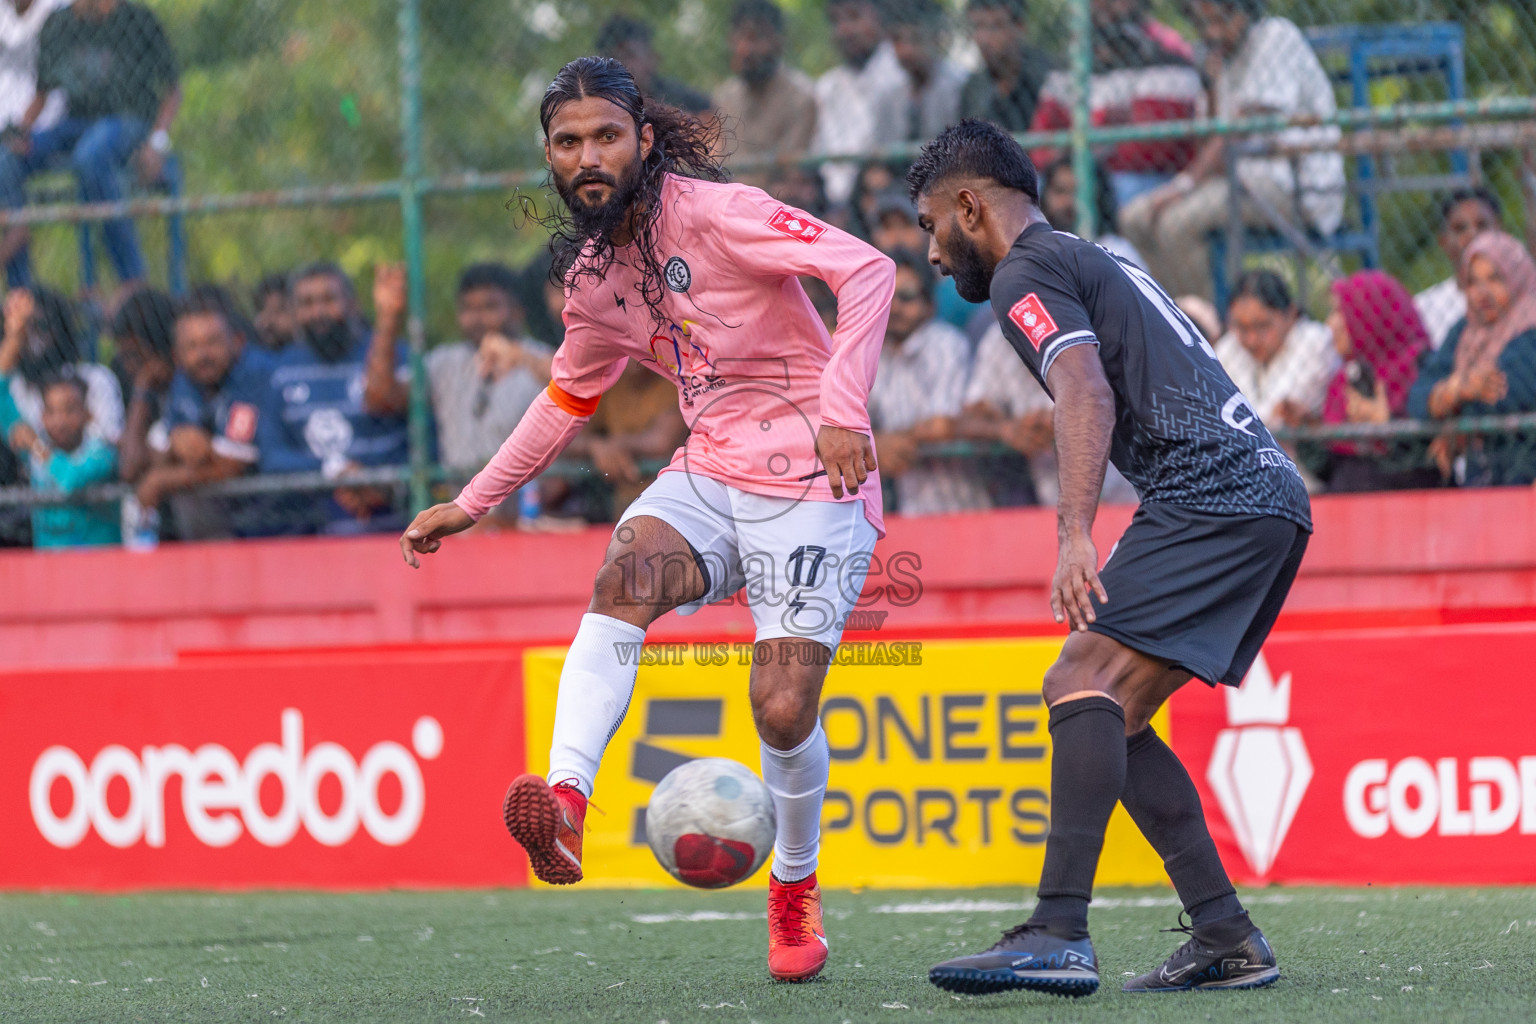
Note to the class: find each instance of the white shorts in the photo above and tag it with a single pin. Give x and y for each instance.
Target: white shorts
(802, 563)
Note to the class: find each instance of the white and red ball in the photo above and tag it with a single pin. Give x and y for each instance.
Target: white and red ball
(711, 823)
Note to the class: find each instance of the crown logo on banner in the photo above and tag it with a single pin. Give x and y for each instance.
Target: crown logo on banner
(1259, 768)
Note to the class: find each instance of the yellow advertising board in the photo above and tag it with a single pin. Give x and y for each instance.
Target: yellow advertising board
(940, 761)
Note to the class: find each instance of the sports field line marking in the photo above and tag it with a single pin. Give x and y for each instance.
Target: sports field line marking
(968, 906)
(698, 915)
(963, 906)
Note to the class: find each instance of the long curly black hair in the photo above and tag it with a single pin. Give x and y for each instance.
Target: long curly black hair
(682, 145)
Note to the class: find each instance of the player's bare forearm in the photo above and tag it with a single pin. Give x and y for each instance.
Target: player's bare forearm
(1084, 422)
(133, 452)
(384, 394)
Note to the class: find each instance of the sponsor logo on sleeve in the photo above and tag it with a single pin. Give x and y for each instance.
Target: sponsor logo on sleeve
(241, 424)
(796, 225)
(1030, 316)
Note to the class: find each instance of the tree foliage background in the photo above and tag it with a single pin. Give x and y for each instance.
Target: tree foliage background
(281, 93)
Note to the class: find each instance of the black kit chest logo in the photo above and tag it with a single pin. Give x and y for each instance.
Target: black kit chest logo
(679, 277)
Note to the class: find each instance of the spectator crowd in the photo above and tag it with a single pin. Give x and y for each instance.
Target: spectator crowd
(169, 395)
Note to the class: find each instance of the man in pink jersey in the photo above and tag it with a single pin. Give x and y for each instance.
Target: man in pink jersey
(776, 489)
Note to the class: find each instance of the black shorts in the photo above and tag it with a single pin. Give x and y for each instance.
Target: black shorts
(1198, 589)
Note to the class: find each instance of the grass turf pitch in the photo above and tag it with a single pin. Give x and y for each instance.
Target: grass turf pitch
(648, 956)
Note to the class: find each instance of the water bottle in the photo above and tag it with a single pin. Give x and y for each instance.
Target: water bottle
(528, 505)
(141, 526)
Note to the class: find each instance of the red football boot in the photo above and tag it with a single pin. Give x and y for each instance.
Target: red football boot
(797, 945)
(547, 821)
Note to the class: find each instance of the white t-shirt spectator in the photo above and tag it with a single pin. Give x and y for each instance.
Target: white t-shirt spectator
(1299, 372)
(19, 34)
(474, 414)
(1001, 379)
(103, 399)
(921, 378)
(1277, 70)
(1441, 307)
(859, 110)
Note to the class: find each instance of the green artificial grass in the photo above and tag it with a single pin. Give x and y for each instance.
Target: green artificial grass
(649, 956)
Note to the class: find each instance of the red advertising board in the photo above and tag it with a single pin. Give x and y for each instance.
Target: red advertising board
(1350, 756)
(1382, 756)
(364, 770)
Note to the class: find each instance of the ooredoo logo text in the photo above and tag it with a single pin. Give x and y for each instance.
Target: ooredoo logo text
(221, 794)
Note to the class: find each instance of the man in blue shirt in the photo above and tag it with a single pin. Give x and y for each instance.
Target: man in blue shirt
(219, 413)
(341, 394)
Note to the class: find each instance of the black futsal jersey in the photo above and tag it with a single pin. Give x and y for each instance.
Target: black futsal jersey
(1184, 435)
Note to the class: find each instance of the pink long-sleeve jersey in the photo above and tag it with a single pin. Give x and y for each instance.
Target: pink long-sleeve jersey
(756, 373)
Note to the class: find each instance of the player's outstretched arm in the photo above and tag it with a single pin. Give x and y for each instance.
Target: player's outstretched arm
(1085, 420)
(540, 436)
(426, 532)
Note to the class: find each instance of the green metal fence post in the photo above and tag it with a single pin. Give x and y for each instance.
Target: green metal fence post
(1082, 156)
(415, 255)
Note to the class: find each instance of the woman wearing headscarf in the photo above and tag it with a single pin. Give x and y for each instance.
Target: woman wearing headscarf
(1379, 334)
(1488, 363)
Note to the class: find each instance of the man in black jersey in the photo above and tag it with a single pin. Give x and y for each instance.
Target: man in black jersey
(1190, 591)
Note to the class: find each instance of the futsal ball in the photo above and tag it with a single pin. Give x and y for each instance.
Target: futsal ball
(711, 823)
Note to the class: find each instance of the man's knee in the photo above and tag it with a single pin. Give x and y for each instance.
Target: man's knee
(1071, 675)
(786, 691)
(13, 177)
(641, 578)
(616, 594)
(784, 718)
(94, 156)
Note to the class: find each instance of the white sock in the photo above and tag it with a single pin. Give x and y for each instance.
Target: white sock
(798, 781)
(595, 686)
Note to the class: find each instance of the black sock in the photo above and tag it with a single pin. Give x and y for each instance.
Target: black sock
(1087, 777)
(1165, 805)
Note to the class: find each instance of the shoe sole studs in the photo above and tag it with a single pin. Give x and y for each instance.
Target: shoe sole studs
(976, 983)
(795, 979)
(532, 816)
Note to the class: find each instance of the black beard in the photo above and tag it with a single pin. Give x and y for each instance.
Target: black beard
(965, 263)
(272, 341)
(1064, 220)
(328, 339)
(599, 222)
(757, 73)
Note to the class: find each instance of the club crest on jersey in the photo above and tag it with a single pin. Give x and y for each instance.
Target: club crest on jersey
(679, 278)
(796, 225)
(1030, 316)
(240, 426)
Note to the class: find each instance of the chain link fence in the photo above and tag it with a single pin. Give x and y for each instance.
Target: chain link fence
(267, 274)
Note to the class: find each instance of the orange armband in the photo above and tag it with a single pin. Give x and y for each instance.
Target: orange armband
(570, 403)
